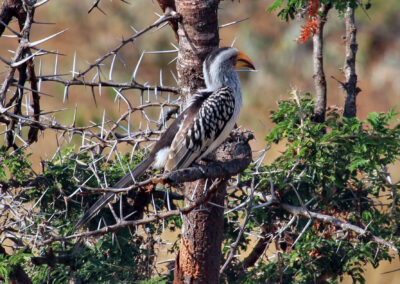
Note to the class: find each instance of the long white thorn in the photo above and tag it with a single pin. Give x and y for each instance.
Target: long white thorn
(173, 75)
(232, 23)
(40, 3)
(112, 67)
(32, 44)
(233, 42)
(74, 65)
(137, 66)
(56, 64)
(102, 124)
(18, 63)
(65, 97)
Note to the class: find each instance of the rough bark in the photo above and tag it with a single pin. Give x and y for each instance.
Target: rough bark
(199, 256)
(350, 107)
(318, 59)
(198, 35)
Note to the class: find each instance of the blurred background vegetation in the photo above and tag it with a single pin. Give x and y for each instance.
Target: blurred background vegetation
(282, 62)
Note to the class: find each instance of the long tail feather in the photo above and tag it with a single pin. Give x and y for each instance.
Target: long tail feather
(103, 201)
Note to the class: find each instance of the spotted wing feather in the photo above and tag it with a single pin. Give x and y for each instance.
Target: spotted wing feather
(194, 138)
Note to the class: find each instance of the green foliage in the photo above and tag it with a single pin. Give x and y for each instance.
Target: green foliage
(337, 168)
(8, 263)
(114, 257)
(289, 8)
(15, 165)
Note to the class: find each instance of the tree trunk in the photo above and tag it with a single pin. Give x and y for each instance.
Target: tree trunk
(199, 257)
(350, 107)
(318, 60)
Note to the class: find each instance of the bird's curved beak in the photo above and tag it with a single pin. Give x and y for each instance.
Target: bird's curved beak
(242, 60)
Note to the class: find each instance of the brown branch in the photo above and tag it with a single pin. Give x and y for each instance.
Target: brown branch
(350, 107)
(167, 6)
(255, 253)
(24, 12)
(33, 131)
(18, 105)
(241, 152)
(198, 259)
(10, 9)
(27, 17)
(318, 59)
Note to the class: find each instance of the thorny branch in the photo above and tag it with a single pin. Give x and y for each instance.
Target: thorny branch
(329, 219)
(123, 86)
(170, 16)
(23, 60)
(156, 217)
(215, 169)
(20, 221)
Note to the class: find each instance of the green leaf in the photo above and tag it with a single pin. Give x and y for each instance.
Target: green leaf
(277, 4)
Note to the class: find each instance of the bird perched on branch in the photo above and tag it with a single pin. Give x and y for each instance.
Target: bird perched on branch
(205, 123)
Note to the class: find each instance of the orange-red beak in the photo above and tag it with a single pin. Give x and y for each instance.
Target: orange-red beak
(242, 60)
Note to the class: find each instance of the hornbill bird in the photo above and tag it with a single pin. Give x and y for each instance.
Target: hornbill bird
(204, 124)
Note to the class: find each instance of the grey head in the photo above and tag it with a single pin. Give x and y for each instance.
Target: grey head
(219, 67)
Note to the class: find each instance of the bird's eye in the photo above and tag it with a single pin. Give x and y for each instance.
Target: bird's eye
(233, 59)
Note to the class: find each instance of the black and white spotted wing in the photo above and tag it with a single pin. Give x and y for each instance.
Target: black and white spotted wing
(194, 138)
